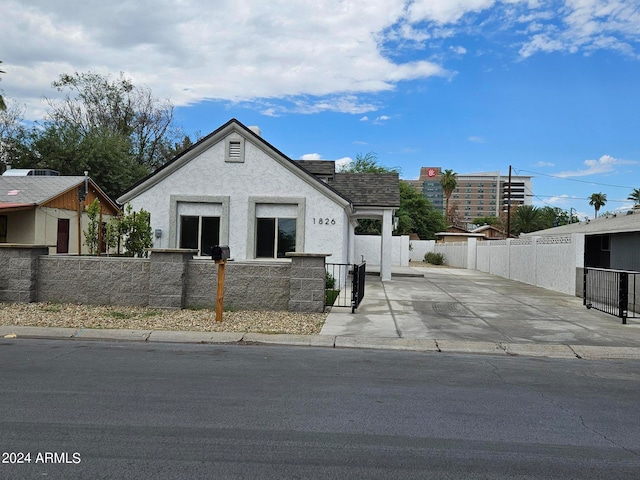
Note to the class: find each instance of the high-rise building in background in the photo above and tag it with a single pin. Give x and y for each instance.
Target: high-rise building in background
(476, 195)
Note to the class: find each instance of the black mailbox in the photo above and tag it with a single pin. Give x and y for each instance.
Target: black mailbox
(220, 252)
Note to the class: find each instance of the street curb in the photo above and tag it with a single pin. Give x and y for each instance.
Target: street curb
(584, 352)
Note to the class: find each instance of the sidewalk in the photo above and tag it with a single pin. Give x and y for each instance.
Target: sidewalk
(429, 310)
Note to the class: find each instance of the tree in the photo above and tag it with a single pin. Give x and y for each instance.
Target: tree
(448, 181)
(116, 131)
(91, 234)
(635, 196)
(417, 215)
(526, 218)
(93, 101)
(71, 151)
(136, 229)
(12, 133)
(555, 216)
(486, 221)
(367, 164)
(597, 200)
(3, 106)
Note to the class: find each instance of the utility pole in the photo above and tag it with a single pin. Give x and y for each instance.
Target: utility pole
(509, 205)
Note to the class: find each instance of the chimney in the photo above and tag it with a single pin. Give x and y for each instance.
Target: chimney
(256, 130)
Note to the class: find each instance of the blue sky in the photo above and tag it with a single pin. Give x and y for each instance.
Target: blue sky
(551, 88)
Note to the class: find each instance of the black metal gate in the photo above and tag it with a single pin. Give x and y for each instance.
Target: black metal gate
(611, 291)
(345, 285)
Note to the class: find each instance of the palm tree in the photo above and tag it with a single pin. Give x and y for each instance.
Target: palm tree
(527, 218)
(597, 200)
(635, 196)
(448, 181)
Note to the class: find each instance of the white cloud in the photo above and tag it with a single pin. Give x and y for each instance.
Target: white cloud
(307, 56)
(559, 199)
(381, 119)
(542, 163)
(460, 50)
(584, 25)
(220, 50)
(364, 119)
(311, 156)
(476, 139)
(343, 162)
(605, 164)
(445, 11)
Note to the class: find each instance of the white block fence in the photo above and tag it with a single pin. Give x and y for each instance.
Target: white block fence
(551, 262)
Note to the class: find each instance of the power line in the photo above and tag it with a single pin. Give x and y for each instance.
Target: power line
(539, 197)
(576, 180)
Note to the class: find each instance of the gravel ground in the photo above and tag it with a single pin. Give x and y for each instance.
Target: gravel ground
(143, 318)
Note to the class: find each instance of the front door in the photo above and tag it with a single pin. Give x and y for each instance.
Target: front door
(62, 245)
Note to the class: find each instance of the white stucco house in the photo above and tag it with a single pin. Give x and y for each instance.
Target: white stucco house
(234, 188)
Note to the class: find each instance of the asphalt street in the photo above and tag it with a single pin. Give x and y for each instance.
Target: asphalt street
(167, 411)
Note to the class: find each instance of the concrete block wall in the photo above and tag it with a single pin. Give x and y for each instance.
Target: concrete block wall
(307, 282)
(248, 285)
(93, 280)
(18, 272)
(170, 278)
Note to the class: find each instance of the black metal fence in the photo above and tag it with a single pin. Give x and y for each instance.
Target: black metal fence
(611, 291)
(345, 285)
(357, 292)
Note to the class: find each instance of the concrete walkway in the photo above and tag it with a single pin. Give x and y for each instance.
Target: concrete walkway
(430, 310)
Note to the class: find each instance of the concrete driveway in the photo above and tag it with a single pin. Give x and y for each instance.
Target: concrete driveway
(467, 305)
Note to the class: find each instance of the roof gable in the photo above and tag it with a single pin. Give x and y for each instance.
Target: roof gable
(233, 126)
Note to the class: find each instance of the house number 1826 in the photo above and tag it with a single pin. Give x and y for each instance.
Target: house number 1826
(324, 221)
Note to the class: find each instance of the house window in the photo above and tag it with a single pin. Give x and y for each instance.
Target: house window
(199, 233)
(3, 229)
(275, 237)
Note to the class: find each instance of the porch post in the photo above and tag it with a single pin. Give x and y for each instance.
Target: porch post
(385, 250)
(351, 236)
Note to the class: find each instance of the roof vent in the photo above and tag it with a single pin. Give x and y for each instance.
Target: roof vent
(256, 130)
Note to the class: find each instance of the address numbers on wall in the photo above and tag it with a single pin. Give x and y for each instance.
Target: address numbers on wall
(324, 221)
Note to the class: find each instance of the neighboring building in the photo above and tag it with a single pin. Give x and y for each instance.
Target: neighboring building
(46, 210)
(234, 188)
(450, 237)
(610, 241)
(477, 194)
(490, 232)
(30, 172)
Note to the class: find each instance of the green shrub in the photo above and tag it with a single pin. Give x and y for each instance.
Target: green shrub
(330, 297)
(330, 282)
(434, 258)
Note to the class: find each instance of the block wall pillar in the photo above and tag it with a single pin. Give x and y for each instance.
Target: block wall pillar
(168, 277)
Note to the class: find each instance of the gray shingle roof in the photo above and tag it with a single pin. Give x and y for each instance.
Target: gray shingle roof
(618, 224)
(369, 189)
(35, 190)
(321, 168)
